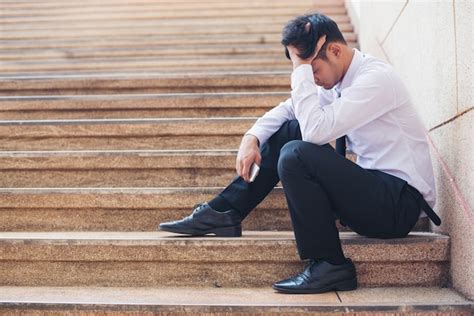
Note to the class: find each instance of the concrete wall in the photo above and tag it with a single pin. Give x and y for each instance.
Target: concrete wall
(430, 43)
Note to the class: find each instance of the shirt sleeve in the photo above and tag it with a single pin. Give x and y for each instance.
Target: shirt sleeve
(325, 97)
(370, 95)
(272, 120)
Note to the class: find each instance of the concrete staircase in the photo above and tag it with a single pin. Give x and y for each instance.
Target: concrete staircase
(116, 115)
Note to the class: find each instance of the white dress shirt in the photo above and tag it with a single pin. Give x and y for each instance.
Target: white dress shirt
(372, 107)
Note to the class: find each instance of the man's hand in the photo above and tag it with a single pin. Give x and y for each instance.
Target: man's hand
(249, 152)
(293, 51)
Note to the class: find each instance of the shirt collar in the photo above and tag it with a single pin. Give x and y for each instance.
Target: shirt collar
(351, 71)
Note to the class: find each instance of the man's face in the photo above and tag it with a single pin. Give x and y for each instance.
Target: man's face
(326, 72)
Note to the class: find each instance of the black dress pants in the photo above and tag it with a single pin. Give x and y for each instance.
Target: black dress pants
(320, 184)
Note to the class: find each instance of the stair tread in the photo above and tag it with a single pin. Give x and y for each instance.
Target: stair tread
(150, 75)
(118, 159)
(149, 133)
(139, 96)
(34, 208)
(254, 246)
(150, 81)
(164, 259)
(128, 120)
(102, 190)
(195, 299)
(160, 237)
(126, 105)
(152, 152)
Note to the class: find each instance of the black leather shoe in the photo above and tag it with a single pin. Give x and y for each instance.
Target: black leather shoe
(205, 220)
(320, 276)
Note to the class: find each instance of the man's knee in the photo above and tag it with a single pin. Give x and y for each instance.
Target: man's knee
(289, 157)
(294, 154)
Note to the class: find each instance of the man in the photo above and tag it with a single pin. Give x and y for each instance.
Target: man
(336, 91)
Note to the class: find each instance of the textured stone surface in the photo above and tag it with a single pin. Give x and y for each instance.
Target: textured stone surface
(267, 30)
(256, 259)
(440, 82)
(434, 96)
(139, 105)
(152, 37)
(117, 169)
(146, 168)
(235, 301)
(455, 197)
(217, 133)
(122, 209)
(170, 64)
(150, 82)
(464, 11)
(377, 19)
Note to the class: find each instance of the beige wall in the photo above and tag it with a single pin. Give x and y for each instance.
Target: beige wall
(430, 44)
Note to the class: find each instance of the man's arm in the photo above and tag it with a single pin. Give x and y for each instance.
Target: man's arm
(370, 96)
(269, 123)
(272, 120)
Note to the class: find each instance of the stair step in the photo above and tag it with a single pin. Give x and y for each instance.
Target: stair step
(139, 105)
(128, 209)
(244, 3)
(108, 83)
(42, 8)
(179, 43)
(102, 3)
(157, 28)
(145, 168)
(242, 19)
(169, 64)
(113, 134)
(92, 32)
(168, 10)
(164, 259)
(244, 15)
(146, 49)
(230, 301)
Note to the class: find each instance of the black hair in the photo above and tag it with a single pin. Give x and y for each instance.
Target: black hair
(295, 34)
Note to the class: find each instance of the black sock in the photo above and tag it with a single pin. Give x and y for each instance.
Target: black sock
(219, 204)
(338, 259)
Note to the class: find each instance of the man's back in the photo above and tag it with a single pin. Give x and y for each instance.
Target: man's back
(394, 142)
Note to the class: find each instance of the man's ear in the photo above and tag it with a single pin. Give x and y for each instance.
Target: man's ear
(334, 49)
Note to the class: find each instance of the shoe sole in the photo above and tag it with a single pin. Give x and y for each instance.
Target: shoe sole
(346, 285)
(231, 231)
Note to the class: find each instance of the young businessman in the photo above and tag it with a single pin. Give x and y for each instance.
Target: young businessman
(336, 91)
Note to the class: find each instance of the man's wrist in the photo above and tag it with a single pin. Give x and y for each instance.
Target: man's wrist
(252, 137)
(301, 73)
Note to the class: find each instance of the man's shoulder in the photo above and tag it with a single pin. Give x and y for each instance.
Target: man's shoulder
(371, 63)
(373, 69)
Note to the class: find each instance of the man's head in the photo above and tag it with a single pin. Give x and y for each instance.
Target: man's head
(333, 59)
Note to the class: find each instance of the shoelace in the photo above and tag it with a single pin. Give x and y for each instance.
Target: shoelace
(307, 268)
(196, 207)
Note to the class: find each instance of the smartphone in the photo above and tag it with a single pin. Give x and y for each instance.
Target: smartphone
(254, 171)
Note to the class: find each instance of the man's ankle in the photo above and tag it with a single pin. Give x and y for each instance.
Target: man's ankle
(336, 260)
(219, 204)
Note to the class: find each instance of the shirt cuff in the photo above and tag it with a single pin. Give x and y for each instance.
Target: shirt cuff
(302, 73)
